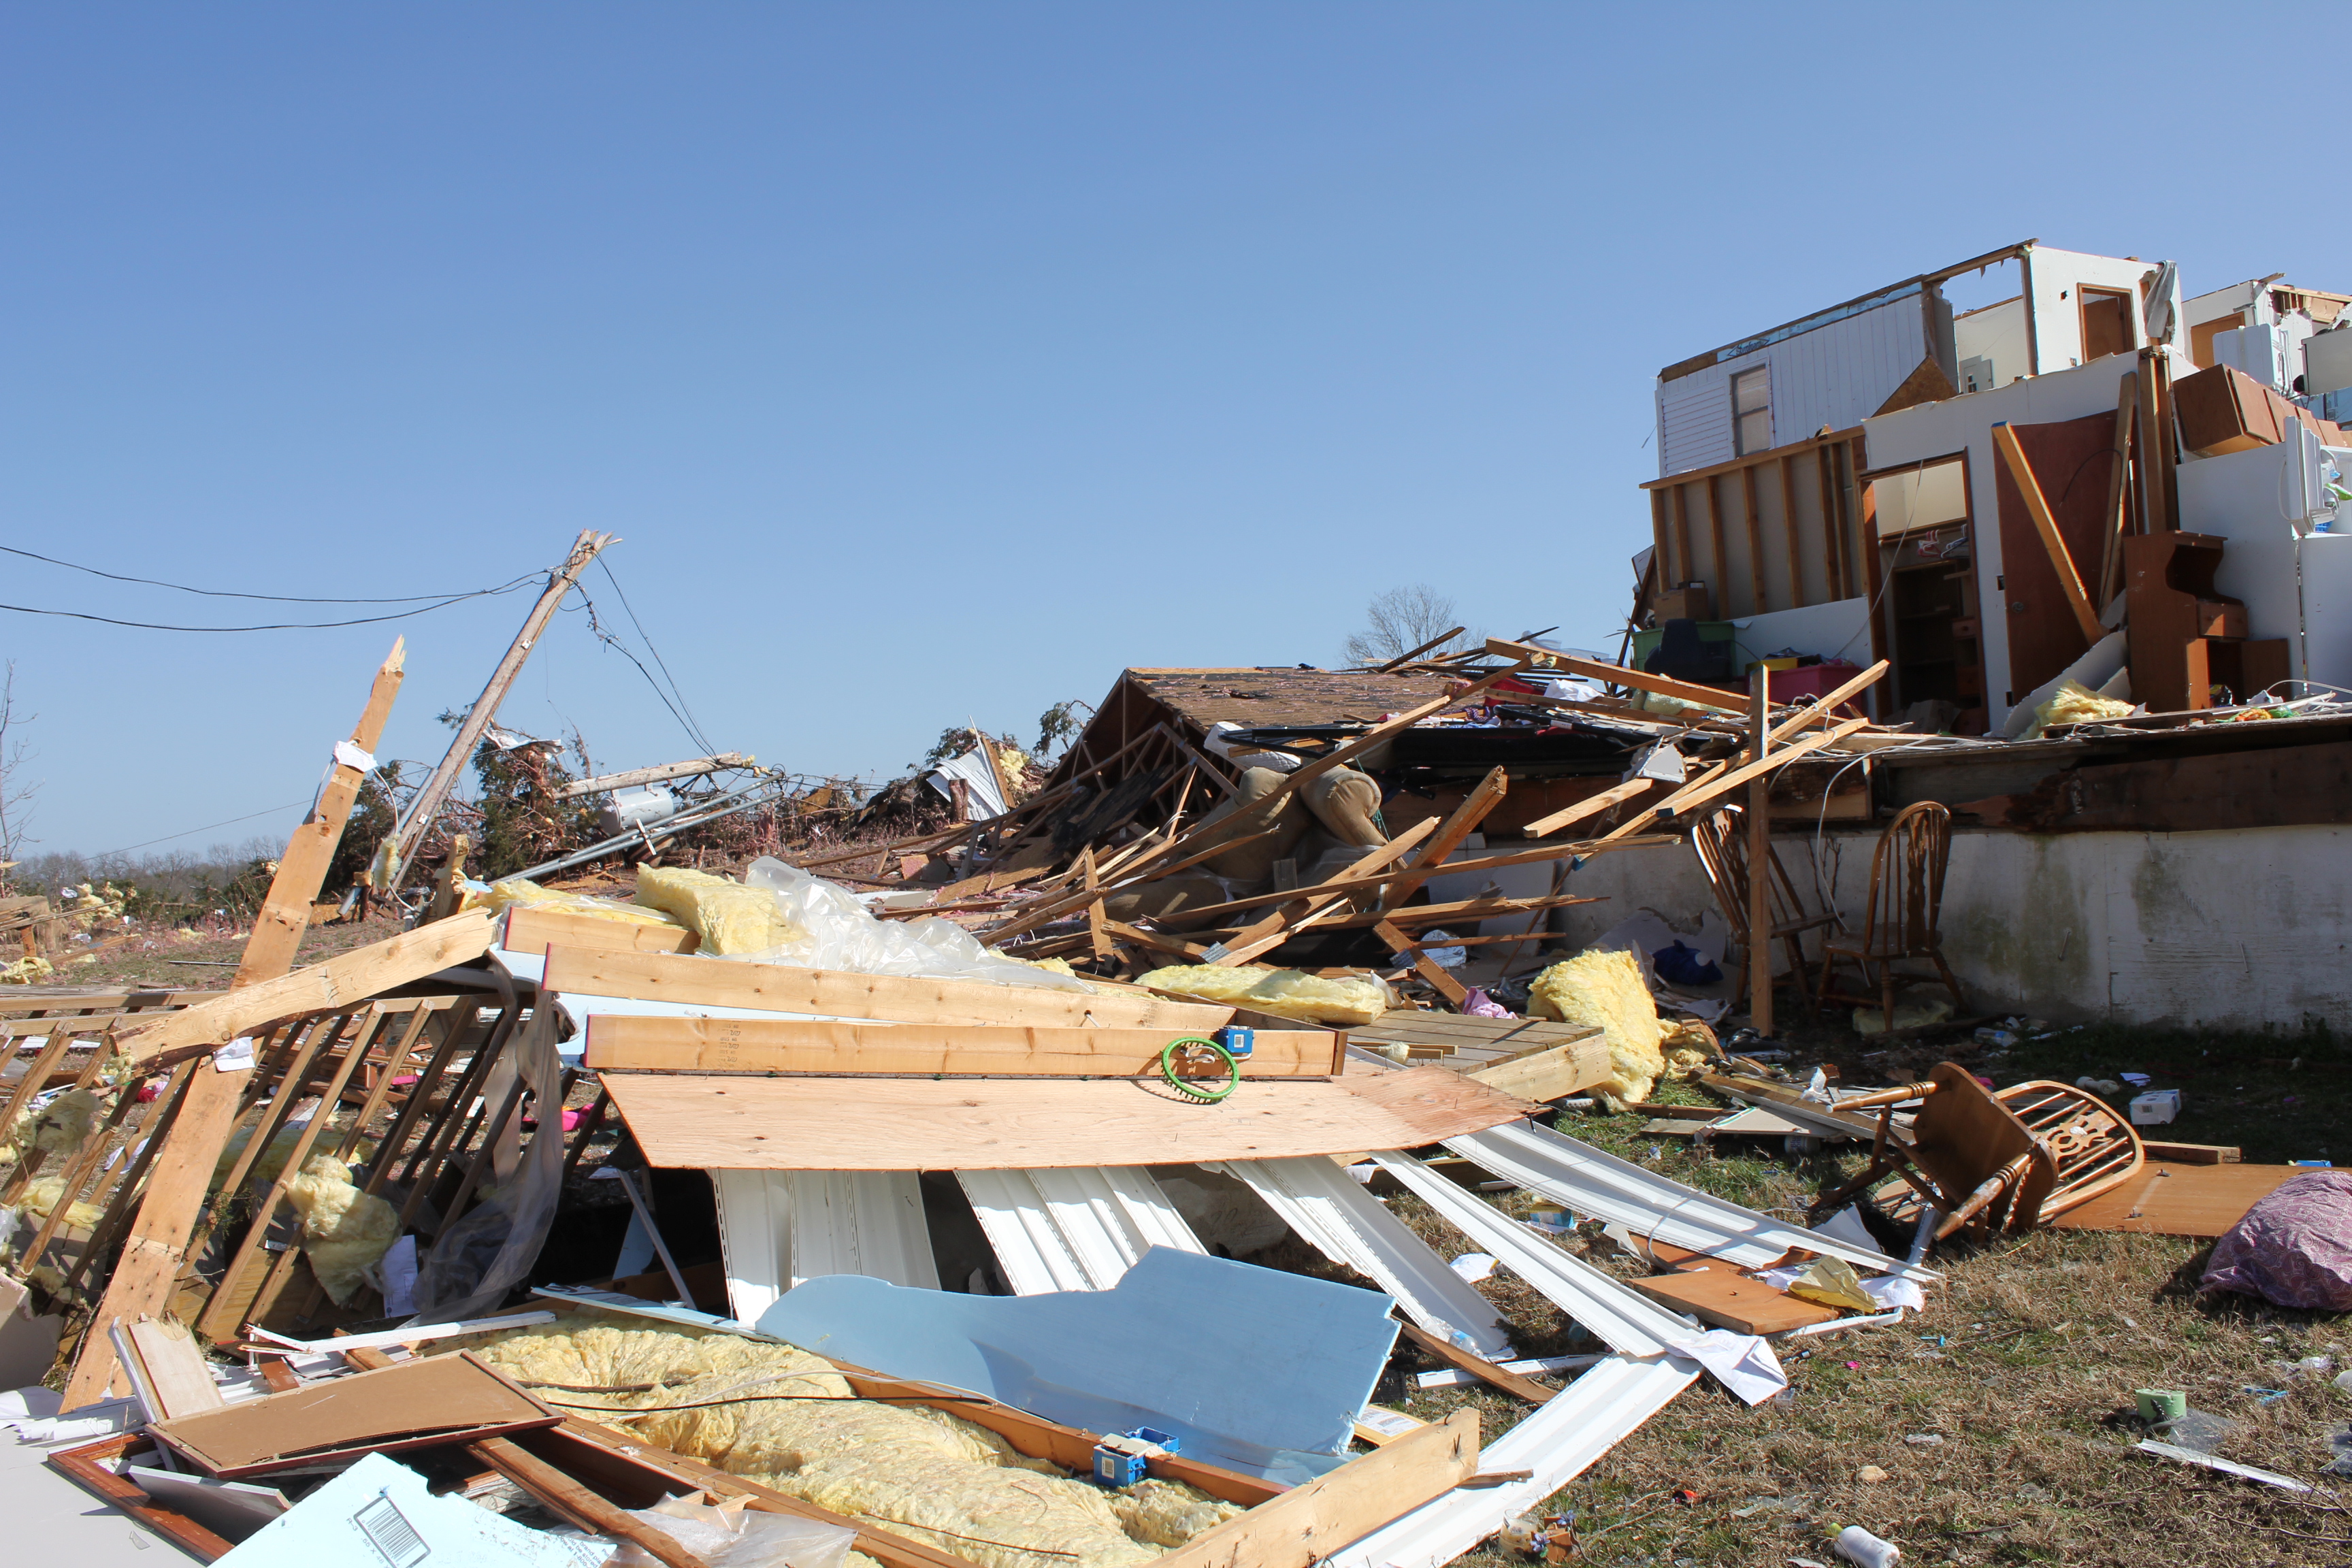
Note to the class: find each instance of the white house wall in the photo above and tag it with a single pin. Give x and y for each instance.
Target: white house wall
(2240, 928)
(2053, 282)
(1831, 375)
(1996, 332)
(1965, 425)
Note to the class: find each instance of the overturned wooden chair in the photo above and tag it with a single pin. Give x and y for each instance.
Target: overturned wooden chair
(1991, 1162)
(1720, 841)
(1899, 923)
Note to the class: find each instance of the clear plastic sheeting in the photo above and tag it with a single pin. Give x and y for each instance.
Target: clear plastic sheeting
(840, 933)
(738, 1537)
(487, 1253)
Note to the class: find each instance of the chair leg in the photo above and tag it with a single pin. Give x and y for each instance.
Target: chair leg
(1886, 992)
(1950, 983)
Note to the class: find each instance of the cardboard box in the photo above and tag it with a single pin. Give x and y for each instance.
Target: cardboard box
(1686, 602)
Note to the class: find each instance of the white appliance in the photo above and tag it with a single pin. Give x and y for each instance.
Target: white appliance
(2287, 558)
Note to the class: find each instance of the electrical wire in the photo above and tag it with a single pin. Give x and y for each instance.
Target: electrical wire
(646, 637)
(272, 626)
(232, 822)
(276, 599)
(596, 630)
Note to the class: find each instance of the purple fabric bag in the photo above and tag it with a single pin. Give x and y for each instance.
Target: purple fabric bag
(2293, 1248)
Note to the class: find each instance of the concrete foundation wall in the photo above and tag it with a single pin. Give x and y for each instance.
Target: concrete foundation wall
(2236, 929)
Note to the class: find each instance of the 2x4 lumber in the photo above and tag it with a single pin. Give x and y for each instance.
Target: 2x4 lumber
(1311, 1523)
(577, 1503)
(1797, 599)
(1684, 563)
(1754, 459)
(1308, 903)
(157, 1242)
(2111, 560)
(1620, 674)
(1474, 809)
(1759, 857)
(1465, 911)
(2053, 542)
(342, 981)
(1478, 1366)
(636, 776)
(286, 911)
(624, 1043)
(418, 819)
(1412, 654)
(528, 927)
(1659, 557)
(1590, 805)
(1690, 797)
(1756, 602)
(1719, 571)
(719, 983)
(1409, 948)
(224, 1298)
(1459, 868)
(1832, 535)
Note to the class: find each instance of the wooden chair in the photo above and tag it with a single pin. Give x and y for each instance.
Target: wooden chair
(2008, 1160)
(1907, 897)
(1720, 841)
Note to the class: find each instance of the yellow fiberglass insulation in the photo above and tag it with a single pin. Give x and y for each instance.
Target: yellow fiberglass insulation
(1288, 993)
(908, 1468)
(728, 916)
(514, 890)
(65, 1121)
(1604, 991)
(40, 1196)
(343, 1229)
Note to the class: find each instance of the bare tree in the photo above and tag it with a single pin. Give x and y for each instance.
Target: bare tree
(1402, 620)
(15, 795)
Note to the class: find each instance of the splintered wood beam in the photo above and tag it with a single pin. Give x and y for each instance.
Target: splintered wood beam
(2053, 542)
(1429, 969)
(157, 1238)
(1690, 797)
(2111, 561)
(1278, 927)
(1464, 821)
(1620, 674)
(1478, 1366)
(1590, 805)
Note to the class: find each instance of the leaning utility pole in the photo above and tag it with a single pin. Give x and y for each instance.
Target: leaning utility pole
(428, 804)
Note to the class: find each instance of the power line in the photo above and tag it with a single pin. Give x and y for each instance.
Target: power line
(274, 626)
(276, 599)
(207, 827)
(702, 739)
(596, 630)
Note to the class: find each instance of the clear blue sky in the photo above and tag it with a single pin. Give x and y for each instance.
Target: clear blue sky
(936, 360)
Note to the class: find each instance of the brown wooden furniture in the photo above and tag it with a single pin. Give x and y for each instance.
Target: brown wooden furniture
(2186, 636)
(1720, 842)
(1899, 922)
(1993, 1161)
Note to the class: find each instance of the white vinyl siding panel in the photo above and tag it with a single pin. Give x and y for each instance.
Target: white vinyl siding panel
(1837, 375)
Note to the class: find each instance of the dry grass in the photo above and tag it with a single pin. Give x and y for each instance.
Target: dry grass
(2023, 1363)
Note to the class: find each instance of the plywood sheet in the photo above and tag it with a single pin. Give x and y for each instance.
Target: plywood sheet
(1732, 1300)
(694, 1121)
(2168, 1199)
(439, 1399)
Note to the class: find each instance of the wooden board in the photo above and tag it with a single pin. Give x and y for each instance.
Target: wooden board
(1553, 1074)
(2168, 1198)
(901, 1124)
(624, 1042)
(340, 982)
(721, 983)
(527, 927)
(1309, 1523)
(1732, 1300)
(410, 1404)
